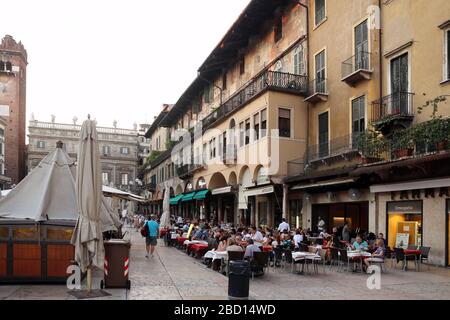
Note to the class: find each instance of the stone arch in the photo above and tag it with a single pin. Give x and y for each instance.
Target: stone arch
(245, 177)
(189, 186)
(179, 189)
(260, 175)
(172, 192)
(217, 181)
(232, 179)
(200, 184)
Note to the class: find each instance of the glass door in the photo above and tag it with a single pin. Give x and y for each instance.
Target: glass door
(323, 135)
(320, 73)
(399, 85)
(361, 47)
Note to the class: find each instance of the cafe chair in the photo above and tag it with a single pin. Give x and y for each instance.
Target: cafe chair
(425, 251)
(288, 259)
(401, 256)
(344, 260)
(260, 261)
(334, 253)
(234, 256)
(278, 258)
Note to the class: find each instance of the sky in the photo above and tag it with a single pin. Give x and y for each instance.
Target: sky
(114, 59)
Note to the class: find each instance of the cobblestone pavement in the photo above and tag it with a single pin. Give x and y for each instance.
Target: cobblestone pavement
(171, 274)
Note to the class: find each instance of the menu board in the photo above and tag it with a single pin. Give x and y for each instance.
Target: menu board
(402, 240)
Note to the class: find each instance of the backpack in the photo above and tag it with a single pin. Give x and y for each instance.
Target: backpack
(144, 230)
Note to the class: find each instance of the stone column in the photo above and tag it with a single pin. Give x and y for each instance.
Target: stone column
(285, 202)
(269, 212)
(256, 211)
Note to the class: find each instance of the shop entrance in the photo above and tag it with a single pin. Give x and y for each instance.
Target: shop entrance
(336, 214)
(404, 223)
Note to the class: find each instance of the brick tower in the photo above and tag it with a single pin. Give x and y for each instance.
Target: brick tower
(13, 66)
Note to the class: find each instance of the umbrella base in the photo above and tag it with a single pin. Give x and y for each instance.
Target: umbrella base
(84, 294)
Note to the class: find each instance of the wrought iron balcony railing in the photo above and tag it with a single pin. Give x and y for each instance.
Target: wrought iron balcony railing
(356, 68)
(331, 148)
(396, 104)
(267, 80)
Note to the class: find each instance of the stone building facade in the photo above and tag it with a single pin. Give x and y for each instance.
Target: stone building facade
(119, 149)
(13, 66)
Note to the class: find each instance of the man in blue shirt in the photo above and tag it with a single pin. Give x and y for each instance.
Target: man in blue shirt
(359, 244)
(152, 235)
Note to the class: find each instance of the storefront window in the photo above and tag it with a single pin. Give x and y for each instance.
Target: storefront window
(262, 213)
(4, 232)
(25, 233)
(64, 234)
(404, 223)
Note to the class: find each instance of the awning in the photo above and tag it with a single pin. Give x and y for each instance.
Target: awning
(200, 195)
(188, 197)
(221, 190)
(322, 184)
(258, 191)
(176, 199)
(412, 185)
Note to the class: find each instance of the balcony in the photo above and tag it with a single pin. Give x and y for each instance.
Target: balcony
(295, 167)
(341, 148)
(269, 80)
(186, 171)
(395, 111)
(317, 91)
(356, 68)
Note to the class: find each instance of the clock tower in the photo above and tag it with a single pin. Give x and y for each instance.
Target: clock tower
(13, 65)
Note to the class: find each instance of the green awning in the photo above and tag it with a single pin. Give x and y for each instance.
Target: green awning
(188, 197)
(201, 194)
(176, 199)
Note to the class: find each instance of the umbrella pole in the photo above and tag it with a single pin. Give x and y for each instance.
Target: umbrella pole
(89, 280)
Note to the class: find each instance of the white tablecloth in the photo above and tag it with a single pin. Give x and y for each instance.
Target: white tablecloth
(216, 255)
(299, 255)
(194, 242)
(356, 254)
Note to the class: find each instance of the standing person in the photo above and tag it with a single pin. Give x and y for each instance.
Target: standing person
(320, 224)
(346, 233)
(284, 226)
(152, 235)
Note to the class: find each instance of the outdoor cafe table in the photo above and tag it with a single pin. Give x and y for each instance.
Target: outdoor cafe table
(299, 255)
(267, 248)
(413, 252)
(216, 255)
(358, 255)
(181, 240)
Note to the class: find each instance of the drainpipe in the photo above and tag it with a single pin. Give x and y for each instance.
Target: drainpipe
(308, 74)
(380, 54)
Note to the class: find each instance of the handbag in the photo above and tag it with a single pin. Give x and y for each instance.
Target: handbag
(144, 231)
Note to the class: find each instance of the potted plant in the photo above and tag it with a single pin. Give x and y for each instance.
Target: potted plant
(435, 131)
(403, 144)
(369, 146)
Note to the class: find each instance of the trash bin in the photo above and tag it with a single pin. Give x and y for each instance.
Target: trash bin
(239, 280)
(117, 260)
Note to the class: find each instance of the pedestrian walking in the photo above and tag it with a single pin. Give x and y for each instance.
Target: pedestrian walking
(151, 240)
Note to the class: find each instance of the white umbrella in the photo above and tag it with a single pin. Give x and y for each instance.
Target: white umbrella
(165, 217)
(87, 236)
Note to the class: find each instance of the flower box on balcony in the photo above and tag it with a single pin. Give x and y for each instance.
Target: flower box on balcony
(402, 153)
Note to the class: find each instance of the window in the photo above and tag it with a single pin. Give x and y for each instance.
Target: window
(278, 30)
(299, 65)
(358, 115)
(446, 55)
(264, 123)
(124, 179)
(247, 131)
(204, 153)
(124, 150)
(319, 11)
(212, 148)
(284, 122)
(361, 46)
(41, 144)
(105, 150)
(1, 148)
(241, 134)
(242, 65)
(208, 94)
(105, 178)
(8, 66)
(404, 224)
(323, 135)
(320, 72)
(256, 126)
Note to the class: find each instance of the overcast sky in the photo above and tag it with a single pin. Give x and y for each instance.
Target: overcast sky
(114, 59)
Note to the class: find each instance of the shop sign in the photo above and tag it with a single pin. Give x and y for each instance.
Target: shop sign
(408, 207)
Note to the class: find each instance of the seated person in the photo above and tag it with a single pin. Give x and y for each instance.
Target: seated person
(359, 244)
(276, 240)
(251, 247)
(378, 255)
(232, 246)
(298, 238)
